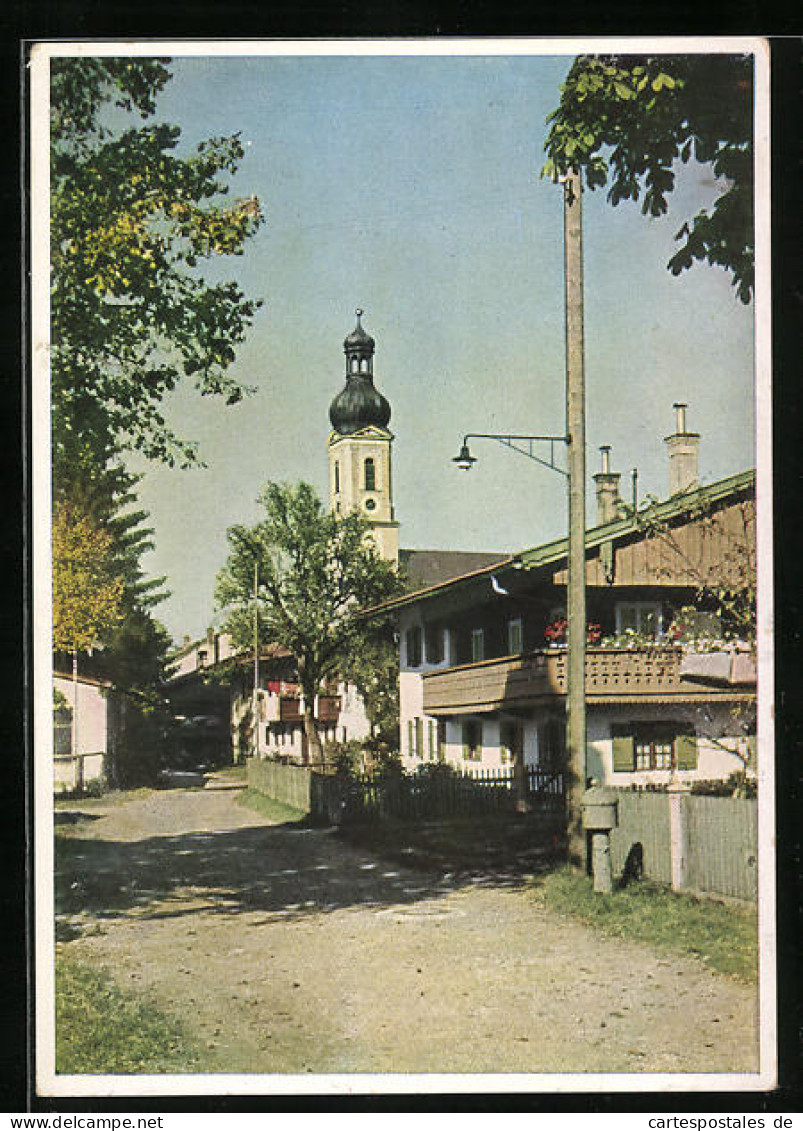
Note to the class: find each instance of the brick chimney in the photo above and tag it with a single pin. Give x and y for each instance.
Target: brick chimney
(608, 497)
(684, 448)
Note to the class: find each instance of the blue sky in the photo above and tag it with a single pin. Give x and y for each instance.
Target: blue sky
(409, 186)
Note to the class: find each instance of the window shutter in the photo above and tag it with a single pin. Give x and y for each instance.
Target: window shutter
(624, 757)
(410, 739)
(419, 738)
(687, 751)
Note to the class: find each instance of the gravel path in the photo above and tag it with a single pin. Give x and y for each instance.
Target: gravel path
(285, 950)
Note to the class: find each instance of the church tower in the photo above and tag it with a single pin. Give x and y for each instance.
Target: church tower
(360, 446)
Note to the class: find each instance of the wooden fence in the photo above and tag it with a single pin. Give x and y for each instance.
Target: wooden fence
(689, 841)
(407, 797)
(442, 793)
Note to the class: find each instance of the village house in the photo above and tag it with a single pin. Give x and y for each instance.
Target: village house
(83, 741)
(483, 657)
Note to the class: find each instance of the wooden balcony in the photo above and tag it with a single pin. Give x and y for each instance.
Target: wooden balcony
(328, 708)
(289, 710)
(623, 675)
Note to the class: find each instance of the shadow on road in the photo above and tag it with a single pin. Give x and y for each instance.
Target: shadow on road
(288, 870)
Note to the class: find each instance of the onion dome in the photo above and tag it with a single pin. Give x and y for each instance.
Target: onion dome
(358, 404)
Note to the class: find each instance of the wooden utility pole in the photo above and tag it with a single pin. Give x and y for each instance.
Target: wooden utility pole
(576, 433)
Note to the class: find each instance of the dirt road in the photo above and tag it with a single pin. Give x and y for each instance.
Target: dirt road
(285, 950)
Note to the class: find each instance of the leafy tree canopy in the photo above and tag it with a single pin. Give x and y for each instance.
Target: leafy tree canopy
(87, 592)
(627, 120)
(315, 571)
(132, 222)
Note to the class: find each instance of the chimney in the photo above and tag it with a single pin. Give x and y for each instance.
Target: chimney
(608, 497)
(684, 449)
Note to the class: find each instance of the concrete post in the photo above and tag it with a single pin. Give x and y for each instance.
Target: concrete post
(678, 834)
(575, 430)
(601, 861)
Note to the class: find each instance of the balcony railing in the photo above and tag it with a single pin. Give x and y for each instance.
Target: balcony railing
(623, 674)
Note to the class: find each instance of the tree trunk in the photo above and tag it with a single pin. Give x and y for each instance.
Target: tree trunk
(314, 749)
(78, 765)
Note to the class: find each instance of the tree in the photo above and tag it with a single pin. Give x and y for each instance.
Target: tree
(721, 564)
(87, 593)
(131, 221)
(631, 118)
(314, 572)
(374, 671)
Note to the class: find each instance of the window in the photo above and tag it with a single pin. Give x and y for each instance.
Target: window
(413, 647)
(642, 617)
(369, 469)
(477, 645)
(653, 746)
(433, 739)
(337, 477)
(433, 639)
(415, 738)
(472, 740)
(511, 742)
(552, 744)
(515, 636)
(364, 365)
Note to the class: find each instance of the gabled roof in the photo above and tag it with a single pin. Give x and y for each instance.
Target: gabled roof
(552, 553)
(424, 568)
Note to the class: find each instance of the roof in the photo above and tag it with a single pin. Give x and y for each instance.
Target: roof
(552, 553)
(424, 568)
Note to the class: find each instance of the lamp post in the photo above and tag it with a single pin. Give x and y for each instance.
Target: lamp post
(575, 441)
(255, 701)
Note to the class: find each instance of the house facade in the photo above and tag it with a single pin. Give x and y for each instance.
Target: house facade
(483, 656)
(84, 730)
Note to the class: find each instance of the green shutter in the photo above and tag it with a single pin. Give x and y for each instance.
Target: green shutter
(410, 739)
(624, 756)
(687, 751)
(431, 729)
(419, 738)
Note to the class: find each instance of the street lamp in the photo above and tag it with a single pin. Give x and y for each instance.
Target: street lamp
(575, 441)
(465, 460)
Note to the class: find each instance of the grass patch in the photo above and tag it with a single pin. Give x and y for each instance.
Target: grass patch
(113, 797)
(724, 937)
(100, 1030)
(232, 773)
(276, 811)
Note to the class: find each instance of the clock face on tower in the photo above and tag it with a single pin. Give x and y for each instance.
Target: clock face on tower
(370, 504)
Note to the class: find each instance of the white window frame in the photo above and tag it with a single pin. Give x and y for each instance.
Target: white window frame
(477, 645)
(515, 626)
